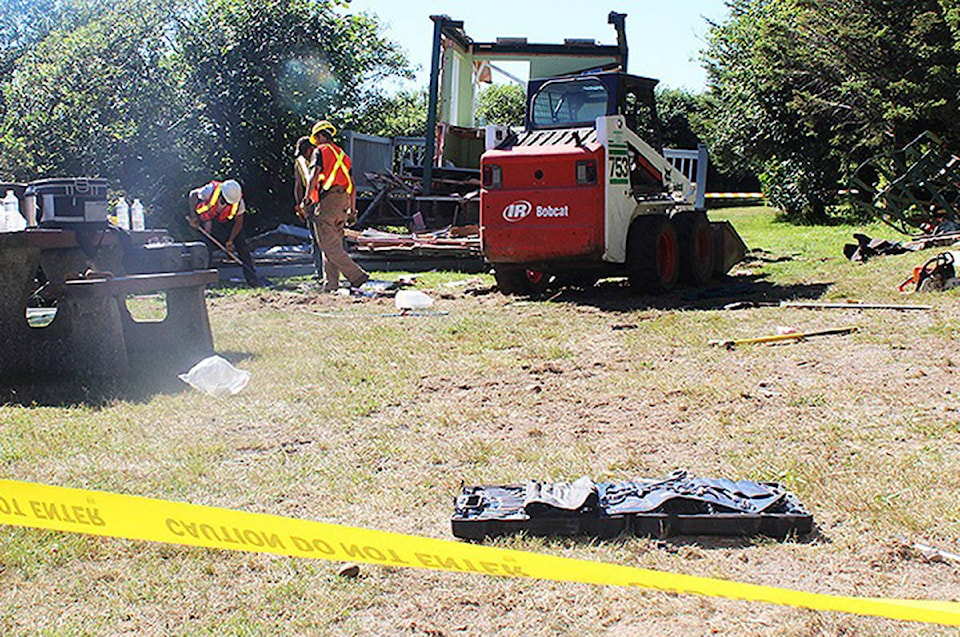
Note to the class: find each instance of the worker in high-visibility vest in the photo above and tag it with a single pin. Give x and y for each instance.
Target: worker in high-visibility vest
(301, 179)
(331, 194)
(218, 208)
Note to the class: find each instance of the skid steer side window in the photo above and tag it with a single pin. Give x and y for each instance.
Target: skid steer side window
(569, 103)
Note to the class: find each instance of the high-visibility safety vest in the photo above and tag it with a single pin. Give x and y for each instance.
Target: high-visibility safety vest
(303, 177)
(303, 170)
(334, 170)
(215, 208)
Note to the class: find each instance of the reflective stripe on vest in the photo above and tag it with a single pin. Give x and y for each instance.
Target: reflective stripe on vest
(303, 171)
(215, 210)
(339, 173)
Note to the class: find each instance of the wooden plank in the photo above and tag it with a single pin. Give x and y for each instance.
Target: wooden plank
(853, 306)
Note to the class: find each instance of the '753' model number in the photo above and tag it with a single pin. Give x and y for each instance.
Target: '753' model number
(619, 168)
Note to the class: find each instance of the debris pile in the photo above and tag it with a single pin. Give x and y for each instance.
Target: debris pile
(867, 247)
(915, 187)
(456, 241)
(453, 247)
(287, 251)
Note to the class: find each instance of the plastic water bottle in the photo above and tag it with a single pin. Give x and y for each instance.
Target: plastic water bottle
(13, 221)
(136, 216)
(122, 212)
(16, 222)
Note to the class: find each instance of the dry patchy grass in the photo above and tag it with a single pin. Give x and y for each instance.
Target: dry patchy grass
(375, 421)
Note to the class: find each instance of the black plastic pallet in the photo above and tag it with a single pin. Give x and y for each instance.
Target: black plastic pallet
(492, 511)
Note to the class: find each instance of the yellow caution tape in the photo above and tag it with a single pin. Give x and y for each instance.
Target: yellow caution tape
(138, 518)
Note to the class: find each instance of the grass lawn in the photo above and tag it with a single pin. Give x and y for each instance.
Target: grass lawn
(375, 421)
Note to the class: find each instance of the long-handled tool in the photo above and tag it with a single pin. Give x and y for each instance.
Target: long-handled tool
(214, 241)
(730, 344)
(853, 306)
(262, 281)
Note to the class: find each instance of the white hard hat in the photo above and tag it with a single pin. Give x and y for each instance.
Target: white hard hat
(231, 191)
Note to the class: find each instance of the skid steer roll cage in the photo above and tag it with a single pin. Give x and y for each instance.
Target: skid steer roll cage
(607, 94)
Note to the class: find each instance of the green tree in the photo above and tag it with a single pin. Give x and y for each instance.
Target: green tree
(682, 117)
(951, 11)
(24, 23)
(161, 95)
(679, 112)
(264, 71)
(502, 104)
(801, 91)
(101, 99)
(401, 115)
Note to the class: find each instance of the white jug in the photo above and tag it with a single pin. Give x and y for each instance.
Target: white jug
(13, 221)
(136, 216)
(122, 212)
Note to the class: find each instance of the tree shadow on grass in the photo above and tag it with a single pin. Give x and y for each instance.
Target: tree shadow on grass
(144, 380)
(615, 295)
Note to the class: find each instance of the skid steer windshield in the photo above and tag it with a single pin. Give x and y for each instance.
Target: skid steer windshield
(569, 102)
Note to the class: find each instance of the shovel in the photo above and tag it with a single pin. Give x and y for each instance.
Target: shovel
(261, 281)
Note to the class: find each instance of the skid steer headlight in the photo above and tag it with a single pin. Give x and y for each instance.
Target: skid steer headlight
(586, 172)
(492, 176)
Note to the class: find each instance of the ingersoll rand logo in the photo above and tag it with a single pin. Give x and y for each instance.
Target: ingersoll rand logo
(517, 210)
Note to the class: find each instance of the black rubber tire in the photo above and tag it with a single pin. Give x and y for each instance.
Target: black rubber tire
(518, 280)
(653, 257)
(696, 248)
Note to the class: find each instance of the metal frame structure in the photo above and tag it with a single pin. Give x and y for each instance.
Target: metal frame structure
(452, 89)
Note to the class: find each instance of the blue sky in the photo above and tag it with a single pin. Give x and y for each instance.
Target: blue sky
(664, 37)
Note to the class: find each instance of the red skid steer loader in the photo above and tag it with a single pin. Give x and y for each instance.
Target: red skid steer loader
(584, 193)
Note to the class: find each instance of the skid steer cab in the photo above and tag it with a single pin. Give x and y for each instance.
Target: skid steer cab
(585, 193)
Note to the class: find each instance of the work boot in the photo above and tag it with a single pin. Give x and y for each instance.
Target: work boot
(331, 287)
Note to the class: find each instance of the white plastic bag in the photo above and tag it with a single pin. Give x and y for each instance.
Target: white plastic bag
(217, 377)
(412, 300)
